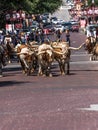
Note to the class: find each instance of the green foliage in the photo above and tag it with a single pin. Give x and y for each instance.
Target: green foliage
(30, 6)
(95, 2)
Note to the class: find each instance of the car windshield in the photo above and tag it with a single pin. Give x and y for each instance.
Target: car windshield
(48, 26)
(75, 24)
(58, 26)
(90, 27)
(66, 24)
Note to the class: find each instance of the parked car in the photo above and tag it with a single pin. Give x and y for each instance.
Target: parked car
(59, 27)
(34, 25)
(91, 27)
(67, 25)
(53, 20)
(46, 15)
(58, 21)
(48, 29)
(75, 28)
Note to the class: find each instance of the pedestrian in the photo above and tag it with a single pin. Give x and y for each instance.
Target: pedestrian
(67, 36)
(58, 32)
(7, 37)
(23, 38)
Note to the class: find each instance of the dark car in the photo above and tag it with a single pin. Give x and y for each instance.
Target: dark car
(46, 15)
(48, 29)
(91, 27)
(34, 25)
(75, 28)
(67, 25)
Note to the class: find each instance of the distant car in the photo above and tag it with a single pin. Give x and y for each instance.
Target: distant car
(75, 28)
(70, 4)
(74, 22)
(26, 30)
(48, 29)
(60, 21)
(91, 27)
(34, 25)
(67, 25)
(46, 15)
(53, 20)
(44, 19)
(59, 27)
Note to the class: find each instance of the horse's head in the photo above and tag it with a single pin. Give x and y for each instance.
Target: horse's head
(88, 44)
(3, 54)
(93, 40)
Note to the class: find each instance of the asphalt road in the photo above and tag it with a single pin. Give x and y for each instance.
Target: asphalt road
(58, 103)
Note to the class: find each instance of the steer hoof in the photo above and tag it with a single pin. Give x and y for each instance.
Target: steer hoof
(44, 75)
(9, 61)
(50, 75)
(23, 72)
(32, 70)
(63, 74)
(40, 74)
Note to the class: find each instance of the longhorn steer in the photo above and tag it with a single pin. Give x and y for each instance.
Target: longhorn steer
(62, 55)
(45, 59)
(26, 58)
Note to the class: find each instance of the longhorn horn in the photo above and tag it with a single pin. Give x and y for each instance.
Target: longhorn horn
(74, 48)
(21, 53)
(57, 47)
(60, 53)
(42, 52)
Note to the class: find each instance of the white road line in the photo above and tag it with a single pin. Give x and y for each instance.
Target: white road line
(84, 62)
(80, 54)
(93, 107)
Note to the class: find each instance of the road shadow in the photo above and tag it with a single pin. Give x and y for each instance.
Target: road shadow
(12, 69)
(10, 83)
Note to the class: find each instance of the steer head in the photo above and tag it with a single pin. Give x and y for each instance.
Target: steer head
(45, 59)
(89, 44)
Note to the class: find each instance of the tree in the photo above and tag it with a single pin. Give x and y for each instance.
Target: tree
(91, 1)
(30, 6)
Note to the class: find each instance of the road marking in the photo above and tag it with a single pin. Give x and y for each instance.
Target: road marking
(93, 107)
(81, 54)
(84, 62)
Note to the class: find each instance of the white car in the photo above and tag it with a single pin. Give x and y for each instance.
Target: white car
(59, 27)
(60, 21)
(54, 21)
(57, 21)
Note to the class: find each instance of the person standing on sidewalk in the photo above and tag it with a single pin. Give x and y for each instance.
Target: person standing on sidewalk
(67, 36)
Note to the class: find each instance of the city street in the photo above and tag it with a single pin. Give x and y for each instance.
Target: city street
(59, 103)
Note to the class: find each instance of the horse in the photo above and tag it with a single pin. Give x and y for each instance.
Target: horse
(90, 43)
(10, 51)
(91, 46)
(2, 58)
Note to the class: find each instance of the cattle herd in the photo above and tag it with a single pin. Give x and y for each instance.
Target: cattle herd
(33, 56)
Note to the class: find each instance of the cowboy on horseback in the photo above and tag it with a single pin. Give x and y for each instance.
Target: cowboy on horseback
(2, 59)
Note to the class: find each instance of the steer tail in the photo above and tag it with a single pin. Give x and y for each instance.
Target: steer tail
(78, 48)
